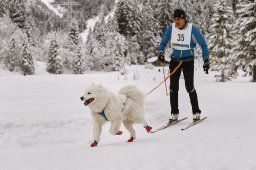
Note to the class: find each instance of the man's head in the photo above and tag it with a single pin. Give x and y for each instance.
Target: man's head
(179, 17)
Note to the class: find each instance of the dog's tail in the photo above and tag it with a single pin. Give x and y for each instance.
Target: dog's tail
(133, 93)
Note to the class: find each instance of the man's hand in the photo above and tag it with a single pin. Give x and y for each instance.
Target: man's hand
(206, 66)
(161, 57)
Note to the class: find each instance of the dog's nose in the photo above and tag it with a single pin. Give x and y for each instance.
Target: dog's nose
(82, 98)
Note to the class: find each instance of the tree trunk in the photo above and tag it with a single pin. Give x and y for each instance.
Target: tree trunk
(254, 73)
(222, 76)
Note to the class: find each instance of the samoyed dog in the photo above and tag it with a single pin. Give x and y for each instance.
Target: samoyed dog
(127, 106)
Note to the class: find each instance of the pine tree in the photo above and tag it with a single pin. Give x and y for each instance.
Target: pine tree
(29, 30)
(245, 49)
(3, 8)
(79, 64)
(74, 33)
(134, 51)
(150, 34)
(164, 14)
(128, 17)
(234, 4)
(54, 62)
(115, 46)
(221, 36)
(26, 61)
(17, 12)
(199, 12)
(106, 47)
(94, 51)
(11, 58)
(99, 30)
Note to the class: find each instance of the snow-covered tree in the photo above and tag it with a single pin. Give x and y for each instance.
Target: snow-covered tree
(99, 30)
(234, 3)
(245, 50)
(198, 12)
(221, 36)
(150, 34)
(115, 51)
(128, 17)
(54, 62)
(134, 51)
(11, 58)
(3, 7)
(94, 52)
(74, 33)
(9, 31)
(116, 46)
(29, 30)
(26, 60)
(106, 47)
(79, 63)
(164, 14)
(17, 12)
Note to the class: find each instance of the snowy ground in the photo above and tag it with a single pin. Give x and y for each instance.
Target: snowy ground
(45, 126)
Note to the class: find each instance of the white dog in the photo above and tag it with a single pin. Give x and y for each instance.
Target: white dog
(127, 106)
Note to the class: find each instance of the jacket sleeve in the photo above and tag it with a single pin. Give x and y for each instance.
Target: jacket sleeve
(165, 39)
(201, 41)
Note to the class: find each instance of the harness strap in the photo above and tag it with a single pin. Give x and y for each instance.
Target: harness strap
(176, 68)
(124, 103)
(103, 115)
(190, 58)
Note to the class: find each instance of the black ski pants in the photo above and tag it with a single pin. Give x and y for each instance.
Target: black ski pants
(188, 72)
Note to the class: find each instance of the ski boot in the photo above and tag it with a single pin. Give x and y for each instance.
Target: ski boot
(196, 117)
(174, 117)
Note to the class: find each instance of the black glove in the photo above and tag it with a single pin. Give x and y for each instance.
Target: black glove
(161, 57)
(206, 66)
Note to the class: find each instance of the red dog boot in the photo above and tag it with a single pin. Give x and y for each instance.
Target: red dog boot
(94, 144)
(119, 132)
(148, 128)
(131, 139)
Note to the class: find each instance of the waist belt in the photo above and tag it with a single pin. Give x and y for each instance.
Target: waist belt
(185, 59)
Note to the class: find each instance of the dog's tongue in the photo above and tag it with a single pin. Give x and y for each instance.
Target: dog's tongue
(88, 101)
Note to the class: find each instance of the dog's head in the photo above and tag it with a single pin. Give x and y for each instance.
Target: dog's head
(93, 96)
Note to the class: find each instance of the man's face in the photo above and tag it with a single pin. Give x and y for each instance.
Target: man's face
(179, 22)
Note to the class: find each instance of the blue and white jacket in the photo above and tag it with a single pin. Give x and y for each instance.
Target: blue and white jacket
(181, 54)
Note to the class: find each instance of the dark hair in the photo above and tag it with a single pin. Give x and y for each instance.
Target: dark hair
(179, 13)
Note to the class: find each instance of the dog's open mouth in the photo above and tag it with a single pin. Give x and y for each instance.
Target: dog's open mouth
(87, 102)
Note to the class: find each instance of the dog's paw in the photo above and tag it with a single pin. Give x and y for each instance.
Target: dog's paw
(148, 128)
(131, 139)
(94, 144)
(119, 133)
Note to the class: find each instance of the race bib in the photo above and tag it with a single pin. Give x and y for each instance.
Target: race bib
(180, 39)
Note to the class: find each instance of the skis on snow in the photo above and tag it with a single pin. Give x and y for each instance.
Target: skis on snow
(194, 123)
(168, 124)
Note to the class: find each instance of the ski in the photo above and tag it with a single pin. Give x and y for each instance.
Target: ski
(194, 123)
(168, 124)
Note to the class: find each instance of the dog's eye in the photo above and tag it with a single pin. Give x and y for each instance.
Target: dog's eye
(89, 93)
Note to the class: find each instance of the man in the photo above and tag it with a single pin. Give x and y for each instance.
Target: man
(183, 37)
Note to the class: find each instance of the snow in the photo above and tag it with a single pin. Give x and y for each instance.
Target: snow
(91, 22)
(49, 5)
(90, 26)
(44, 125)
